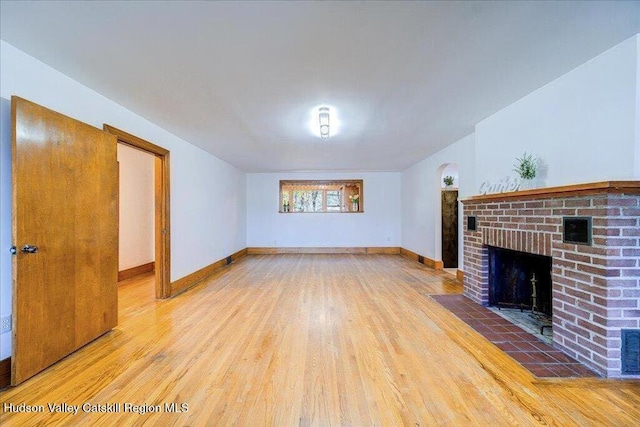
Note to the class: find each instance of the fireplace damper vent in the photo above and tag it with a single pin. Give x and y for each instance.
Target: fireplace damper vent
(630, 352)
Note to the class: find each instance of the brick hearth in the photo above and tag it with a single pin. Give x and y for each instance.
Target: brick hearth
(596, 288)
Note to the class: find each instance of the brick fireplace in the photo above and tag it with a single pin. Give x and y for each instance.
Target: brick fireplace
(595, 288)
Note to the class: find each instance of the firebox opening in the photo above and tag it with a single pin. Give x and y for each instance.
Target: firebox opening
(520, 280)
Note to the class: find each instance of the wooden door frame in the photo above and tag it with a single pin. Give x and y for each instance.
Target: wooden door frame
(162, 223)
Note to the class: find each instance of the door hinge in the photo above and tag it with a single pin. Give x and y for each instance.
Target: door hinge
(13, 250)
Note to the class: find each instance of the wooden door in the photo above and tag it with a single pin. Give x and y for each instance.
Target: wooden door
(450, 229)
(65, 203)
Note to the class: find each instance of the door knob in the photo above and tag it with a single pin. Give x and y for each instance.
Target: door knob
(29, 249)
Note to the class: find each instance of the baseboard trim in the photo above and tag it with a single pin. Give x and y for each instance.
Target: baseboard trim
(196, 277)
(460, 276)
(136, 271)
(5, 372)
(436, 265)
(319, 250)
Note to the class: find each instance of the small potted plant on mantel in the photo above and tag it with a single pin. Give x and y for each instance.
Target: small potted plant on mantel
(448, 182)
(526, 167)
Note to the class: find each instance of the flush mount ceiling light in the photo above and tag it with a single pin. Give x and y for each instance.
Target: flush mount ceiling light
(323, 122)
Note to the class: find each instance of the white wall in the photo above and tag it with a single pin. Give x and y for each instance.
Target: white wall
(421, 198)
(208, 196)
(137, 213)
(582, 125)
(378, 225)
(637, 149)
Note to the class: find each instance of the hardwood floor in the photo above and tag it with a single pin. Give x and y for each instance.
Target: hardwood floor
(309, 340)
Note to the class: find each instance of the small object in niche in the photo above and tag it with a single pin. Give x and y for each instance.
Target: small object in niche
(354, 202)
(448, 182)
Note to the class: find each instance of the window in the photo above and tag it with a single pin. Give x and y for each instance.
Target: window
(321, 196)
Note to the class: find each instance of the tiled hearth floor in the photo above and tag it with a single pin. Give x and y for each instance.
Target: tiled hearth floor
(539, 358)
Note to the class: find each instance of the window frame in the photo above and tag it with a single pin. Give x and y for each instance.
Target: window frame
(345, 204)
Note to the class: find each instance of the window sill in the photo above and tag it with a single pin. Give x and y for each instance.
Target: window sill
(346, 212)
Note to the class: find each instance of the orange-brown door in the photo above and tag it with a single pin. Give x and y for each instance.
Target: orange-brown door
(65, 228)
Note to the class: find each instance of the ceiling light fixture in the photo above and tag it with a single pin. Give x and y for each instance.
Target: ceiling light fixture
(323, 121)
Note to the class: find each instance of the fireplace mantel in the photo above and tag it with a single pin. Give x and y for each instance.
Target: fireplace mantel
(628, 187)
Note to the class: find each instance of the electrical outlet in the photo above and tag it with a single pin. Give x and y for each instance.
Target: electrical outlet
(5, 324)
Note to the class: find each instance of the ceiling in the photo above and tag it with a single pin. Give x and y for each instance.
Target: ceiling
(240, 79)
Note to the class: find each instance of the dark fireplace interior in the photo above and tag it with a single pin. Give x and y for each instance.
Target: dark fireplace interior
(519, 280)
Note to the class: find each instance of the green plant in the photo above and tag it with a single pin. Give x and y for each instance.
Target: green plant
(525, 166)
(448, 180)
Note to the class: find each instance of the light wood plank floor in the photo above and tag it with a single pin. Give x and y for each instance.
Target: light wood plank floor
(289, 340)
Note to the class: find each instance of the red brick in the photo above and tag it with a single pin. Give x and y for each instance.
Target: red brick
(631, 252)
(535, 220)
(614, 313)
(577, 203)
(625, 202)
(578, 276)
(583, 314)
(558, 330)
(600, 251)
(598, 271)
(560, 212)
(599, 261)
(555, 203)
(622, 283)
(599, 340)
(619, 323)
(563, 263)
(616, 222)
(592, 326)
(604, 231)
(629, 262)
(580, 351)
(623, 303)
(526, 227)
(578, 331)
(599, 241)
(593, 308)
(601, 301)
(577, 257)
(591, 345)
(613, 241)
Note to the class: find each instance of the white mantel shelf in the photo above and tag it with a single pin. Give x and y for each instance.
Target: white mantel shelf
(628, 187)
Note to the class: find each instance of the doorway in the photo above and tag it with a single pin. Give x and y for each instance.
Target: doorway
(448, 178)
(161, 207)
(136, 205)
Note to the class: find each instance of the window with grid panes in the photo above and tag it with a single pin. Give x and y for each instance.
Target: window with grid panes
(321, 196)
